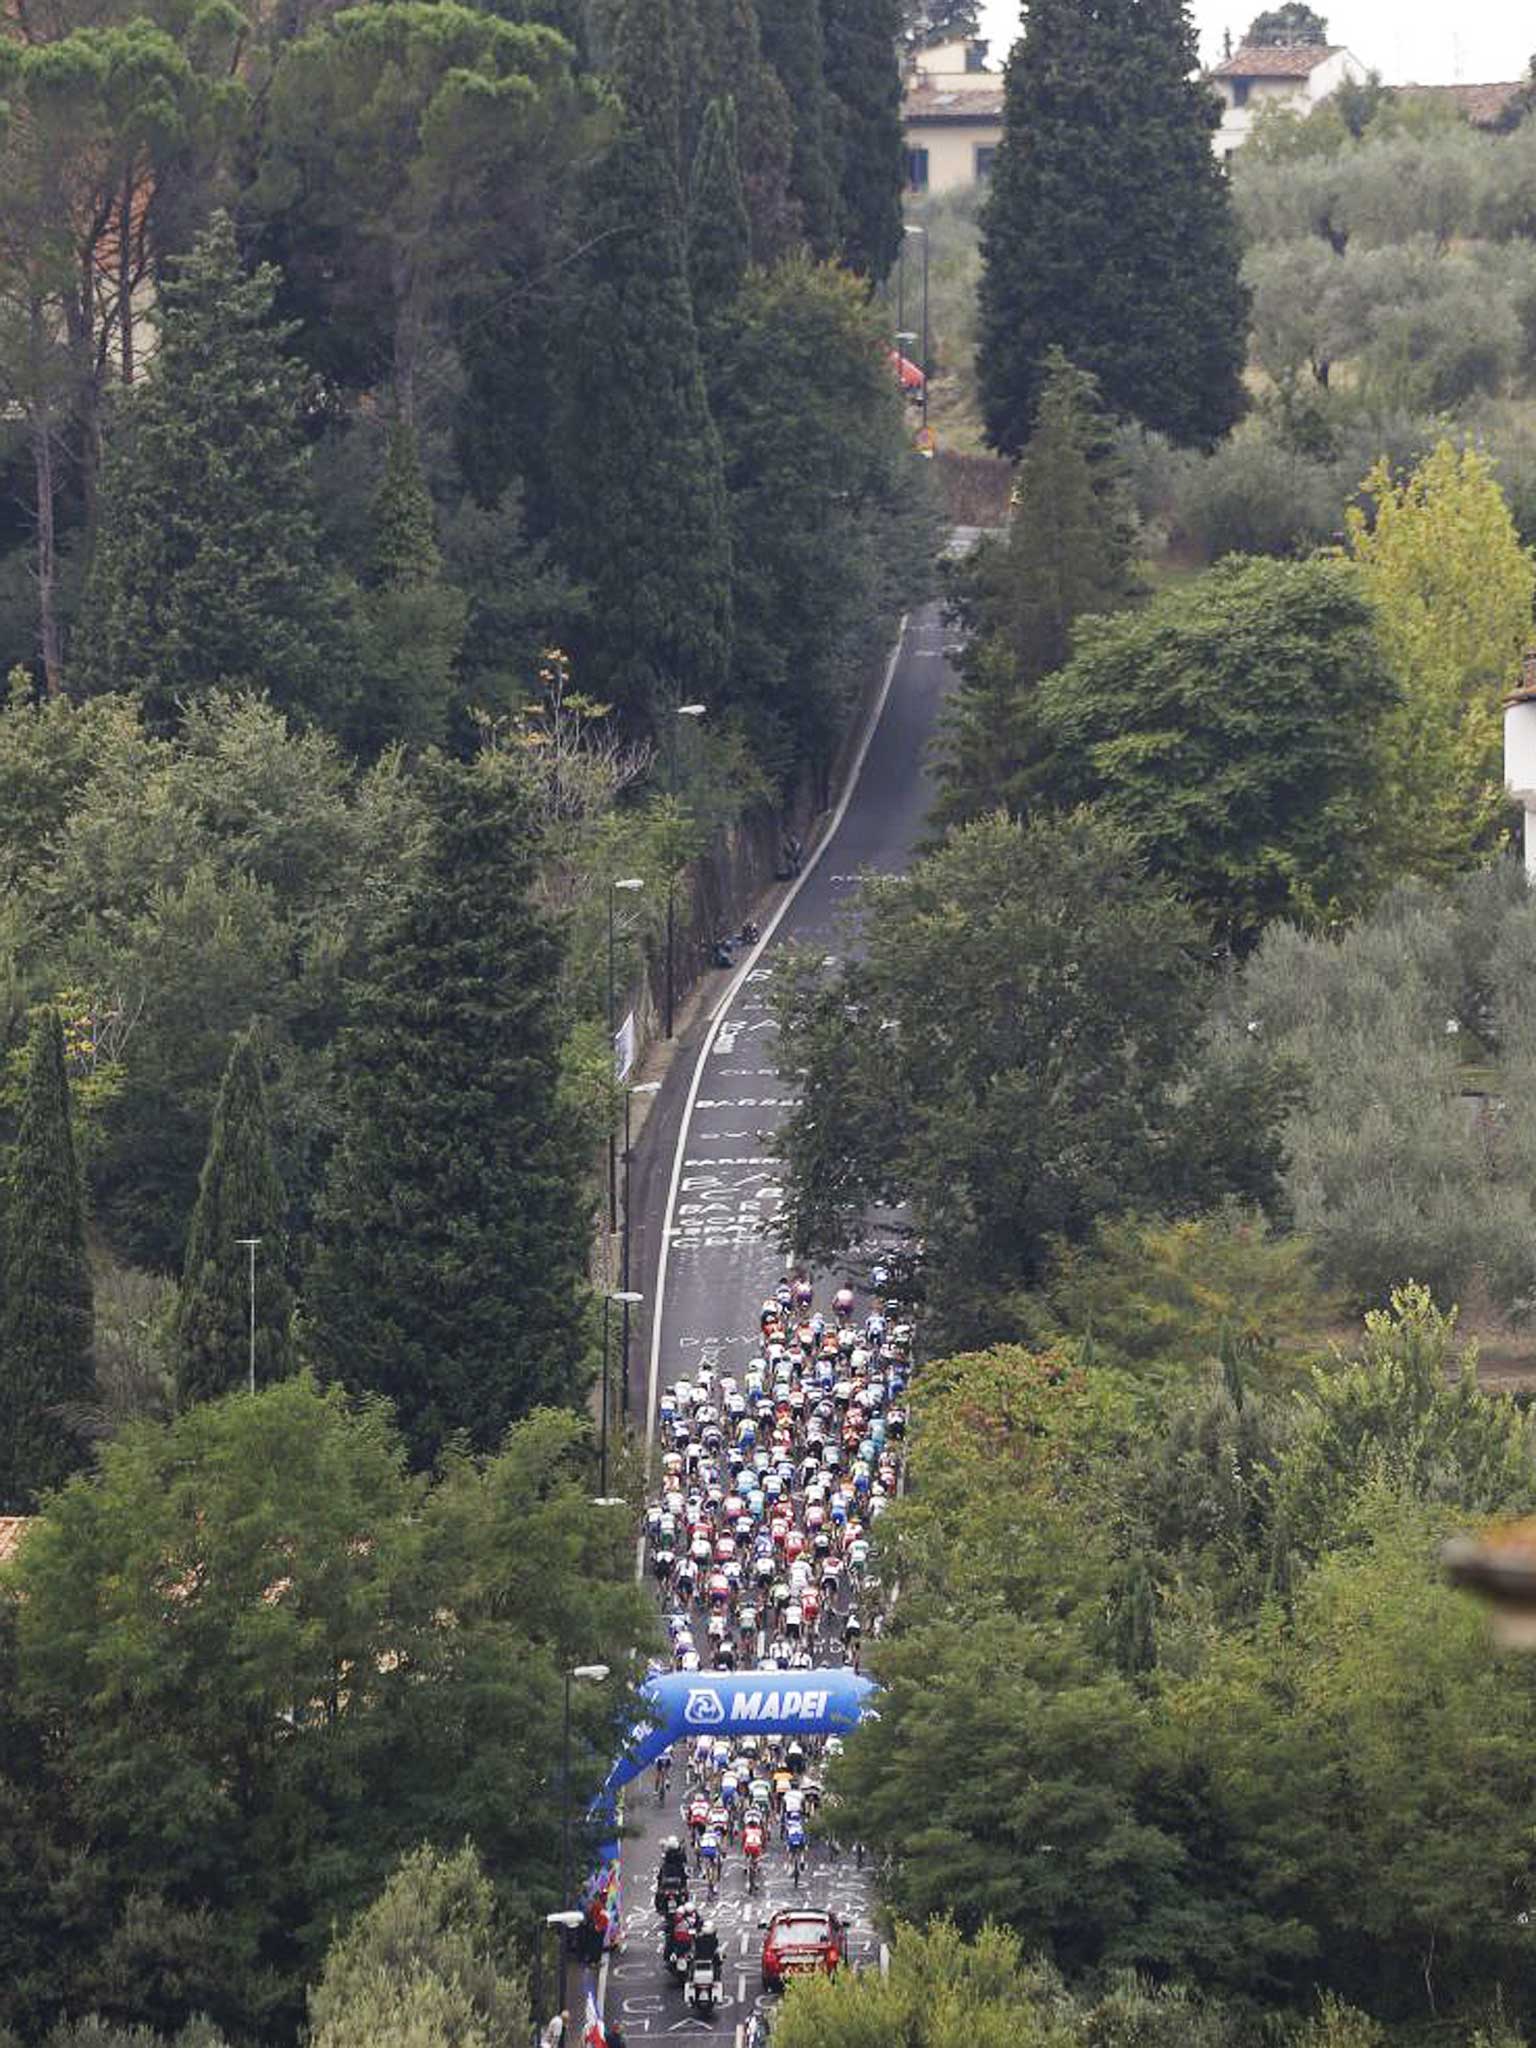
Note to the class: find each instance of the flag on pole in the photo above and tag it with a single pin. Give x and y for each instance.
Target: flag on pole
(594, 2034)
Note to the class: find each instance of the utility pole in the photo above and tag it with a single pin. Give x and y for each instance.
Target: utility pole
(250, 1244)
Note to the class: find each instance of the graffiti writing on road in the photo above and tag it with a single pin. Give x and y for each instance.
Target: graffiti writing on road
(722, 1208)
(649, 2003)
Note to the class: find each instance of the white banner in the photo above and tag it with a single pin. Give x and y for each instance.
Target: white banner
(625, 1040)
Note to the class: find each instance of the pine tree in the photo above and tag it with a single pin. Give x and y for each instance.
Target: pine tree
(1108, 230)
(45, 1303)
(411, 622)
(1070, 551)
(205, 571)
(732, 65)
(453, 1229)
(405, 548)
(238, 1196)
(1134, 1626)
(644, 487)
(719, 232)
(864, 75)
(794, 45)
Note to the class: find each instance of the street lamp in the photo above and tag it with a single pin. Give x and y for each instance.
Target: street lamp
(589, 1674)
(568, 1921)
(678, 711)
(640, 1088)
(629, 883)
(912, 228)
(250, 1244)
(626, 1297)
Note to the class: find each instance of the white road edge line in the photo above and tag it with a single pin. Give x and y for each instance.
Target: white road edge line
(717, 1016)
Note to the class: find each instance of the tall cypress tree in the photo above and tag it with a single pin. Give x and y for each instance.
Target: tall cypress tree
(644, 487)
(1070, 550)
(411, 621)
(453, 1228)
(864, 74)
(794, 45)
(239, 1195)
(732, 65)
(1108, 230)
(719, 232)
(46, 1304)
(205, 570)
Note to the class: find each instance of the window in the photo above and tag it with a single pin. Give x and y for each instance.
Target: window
(1240, 91)
(917, 170)
(985, 152)
(975, 56)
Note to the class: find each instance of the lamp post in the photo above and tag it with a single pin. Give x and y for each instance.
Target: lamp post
(250, 1244)
(678, 711)
(901, 287)
(626, 1297)
(640, 1088)
(912, 228)
(589, 1674)
(629, 883)
(568, 1922)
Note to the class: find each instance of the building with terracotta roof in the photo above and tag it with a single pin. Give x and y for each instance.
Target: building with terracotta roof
(1259, 75)
(952, 115)
(1483, 105)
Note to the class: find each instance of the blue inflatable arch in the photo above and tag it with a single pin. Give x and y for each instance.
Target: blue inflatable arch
(684, 1703)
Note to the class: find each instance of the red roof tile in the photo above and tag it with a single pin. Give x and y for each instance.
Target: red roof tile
(929, 101)
(1482, 104)
(1275, 60)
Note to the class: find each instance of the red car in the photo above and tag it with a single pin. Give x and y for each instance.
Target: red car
(801, 1942)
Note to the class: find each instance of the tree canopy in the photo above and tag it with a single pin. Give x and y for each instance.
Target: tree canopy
(328, 1666)
(1069, 551)
(450, 1274)
(45, 1283)
(1295, 22)
(1232, 729)
(1014, 1057)
(1113, 240)
(205, 573)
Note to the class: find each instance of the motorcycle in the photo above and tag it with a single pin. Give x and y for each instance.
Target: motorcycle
(677, 1950)
(703, 1989)
(671, 1896)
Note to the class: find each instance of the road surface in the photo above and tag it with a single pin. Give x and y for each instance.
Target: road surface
(709, 1150)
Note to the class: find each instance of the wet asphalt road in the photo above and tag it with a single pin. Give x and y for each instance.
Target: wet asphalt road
(707, 1176)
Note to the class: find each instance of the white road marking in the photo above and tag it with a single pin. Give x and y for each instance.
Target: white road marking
(748, 969)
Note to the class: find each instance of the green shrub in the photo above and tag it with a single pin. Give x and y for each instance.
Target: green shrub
(1254, 497)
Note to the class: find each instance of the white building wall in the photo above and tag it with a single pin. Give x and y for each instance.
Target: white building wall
(952, 150)
(1301, 93)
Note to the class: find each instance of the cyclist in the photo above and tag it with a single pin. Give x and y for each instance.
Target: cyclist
(697, 1816)
(781, 1780)
(752, 1846)
(791, 1811)
(710, 1860)
(794, 1842)
(663, 1776)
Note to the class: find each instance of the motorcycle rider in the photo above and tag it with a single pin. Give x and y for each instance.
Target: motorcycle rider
(673, 1874)
(704, 1964)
